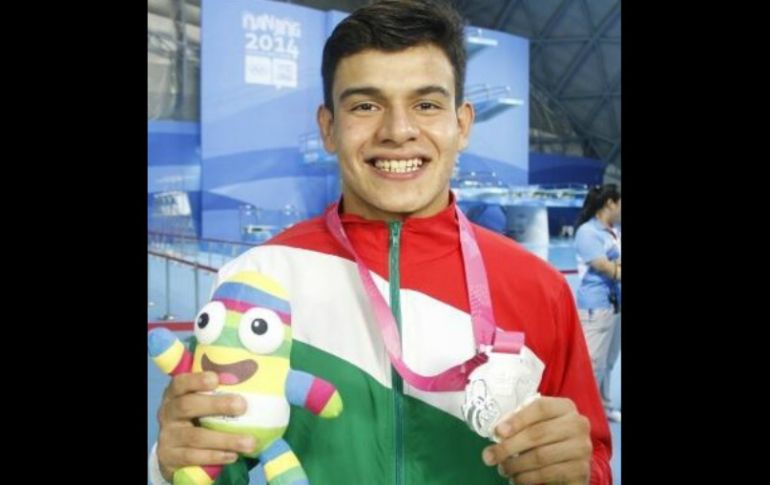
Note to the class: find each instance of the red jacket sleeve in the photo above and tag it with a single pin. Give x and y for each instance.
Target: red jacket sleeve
(569, 374)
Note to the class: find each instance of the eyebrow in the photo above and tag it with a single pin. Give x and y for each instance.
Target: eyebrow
(377, 93)
(433, 89)
(364, 91)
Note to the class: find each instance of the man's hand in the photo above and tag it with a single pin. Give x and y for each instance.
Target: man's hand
(180, 442)
(546, 442)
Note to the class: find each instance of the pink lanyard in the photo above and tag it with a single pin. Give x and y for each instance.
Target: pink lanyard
(487, 335)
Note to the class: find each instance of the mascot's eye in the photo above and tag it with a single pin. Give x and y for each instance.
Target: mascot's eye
(210, 322)
(261, 330)
(259, 326)
(203, 320)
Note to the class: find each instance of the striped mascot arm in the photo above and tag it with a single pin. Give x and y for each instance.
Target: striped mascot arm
(313, 393)
(168, 352)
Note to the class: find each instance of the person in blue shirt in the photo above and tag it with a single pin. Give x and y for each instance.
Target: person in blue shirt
(597, 242)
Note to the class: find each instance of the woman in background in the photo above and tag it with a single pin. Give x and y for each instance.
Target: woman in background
(598, 299)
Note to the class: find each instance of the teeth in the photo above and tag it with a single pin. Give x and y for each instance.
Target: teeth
(398, 166)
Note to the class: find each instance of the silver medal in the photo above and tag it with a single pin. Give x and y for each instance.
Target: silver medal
(480, 408)
(499, 388)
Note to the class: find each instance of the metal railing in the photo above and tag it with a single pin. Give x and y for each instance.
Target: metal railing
(169, 262)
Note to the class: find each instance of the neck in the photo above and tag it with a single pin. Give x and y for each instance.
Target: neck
(604, 218)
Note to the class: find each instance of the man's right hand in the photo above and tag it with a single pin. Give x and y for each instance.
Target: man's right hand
(180, 442)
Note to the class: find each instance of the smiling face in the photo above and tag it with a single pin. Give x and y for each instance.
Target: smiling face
(244, 334)
(396, 131)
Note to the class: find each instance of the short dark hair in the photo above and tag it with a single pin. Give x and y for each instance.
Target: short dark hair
(392, 26)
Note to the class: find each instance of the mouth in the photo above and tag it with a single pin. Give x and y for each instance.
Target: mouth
(230, 374)
(398, 167)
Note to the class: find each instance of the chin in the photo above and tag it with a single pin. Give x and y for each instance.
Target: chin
(400, 206)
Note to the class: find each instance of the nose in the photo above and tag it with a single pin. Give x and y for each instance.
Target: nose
(398, 126)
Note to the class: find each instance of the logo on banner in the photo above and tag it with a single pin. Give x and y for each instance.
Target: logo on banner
(271, 51)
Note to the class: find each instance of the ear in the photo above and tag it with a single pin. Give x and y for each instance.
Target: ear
(465, 116)
(325, 119)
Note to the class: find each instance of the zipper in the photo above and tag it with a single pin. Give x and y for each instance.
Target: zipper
(396, 380)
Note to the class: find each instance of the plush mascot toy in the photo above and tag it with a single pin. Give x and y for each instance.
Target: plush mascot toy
(244, 335)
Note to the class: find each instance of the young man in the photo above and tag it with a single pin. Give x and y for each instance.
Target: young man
(395, 116)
